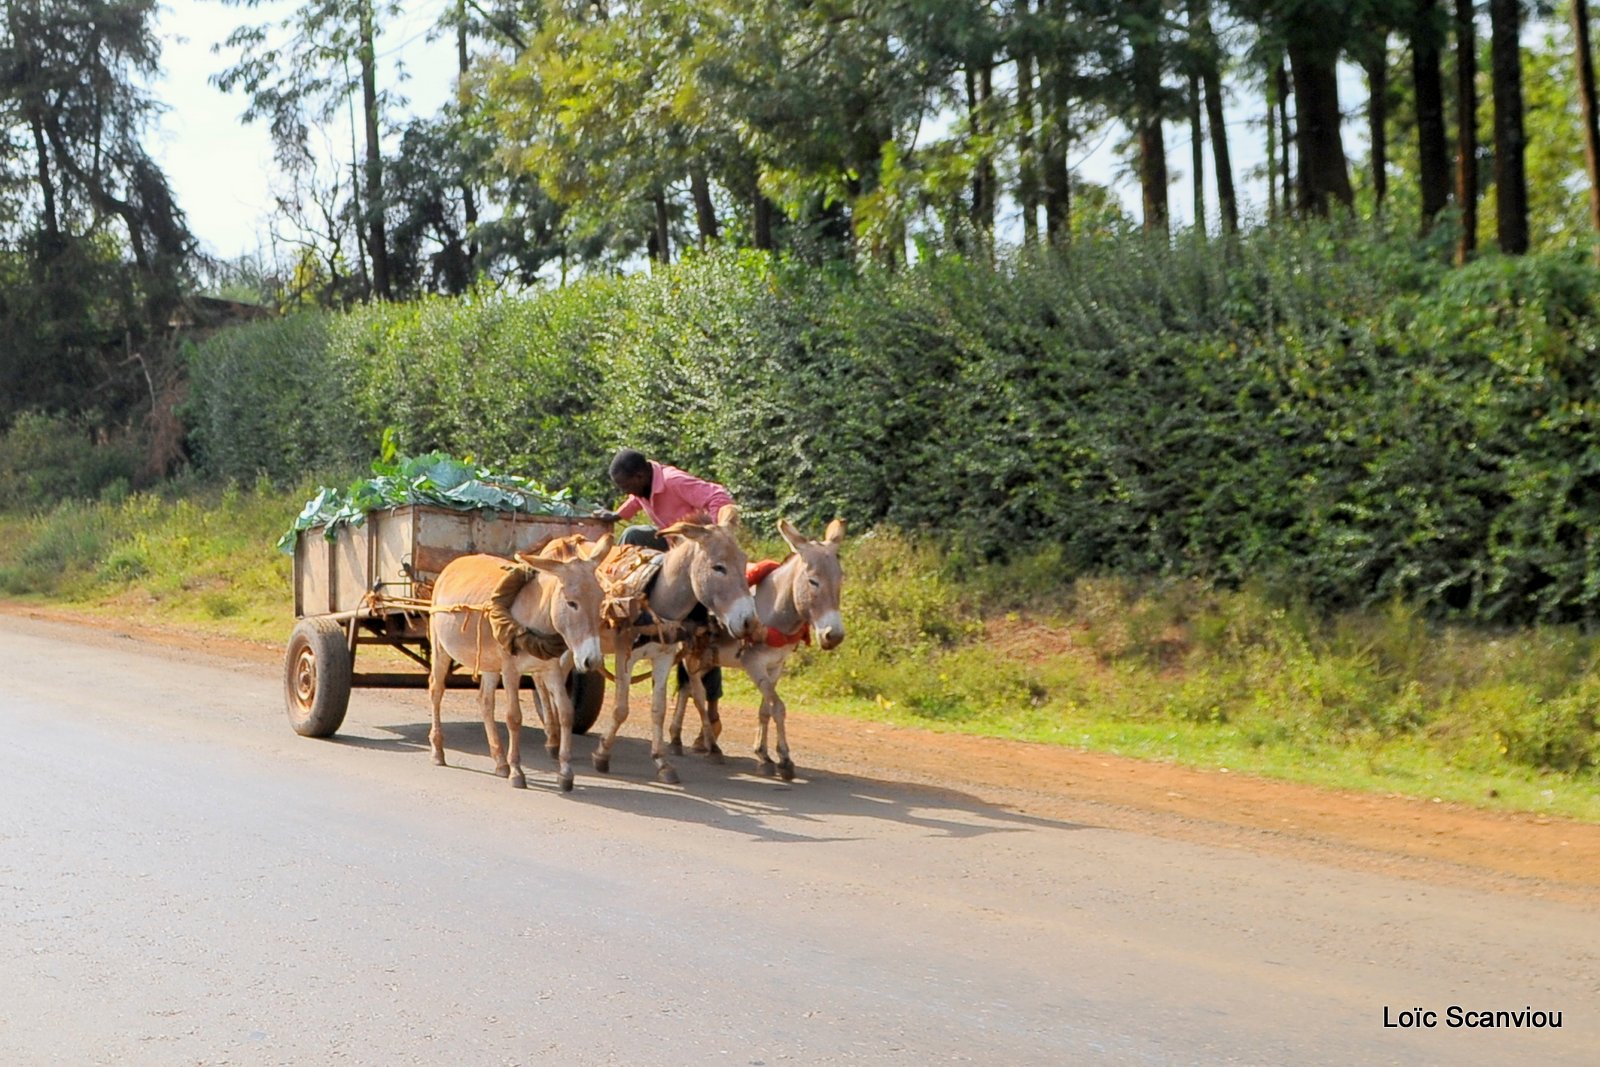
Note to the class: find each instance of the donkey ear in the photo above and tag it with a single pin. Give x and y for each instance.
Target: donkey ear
(597, 550)
(791, 534)
(835, 534)
(728, 515)
(685, 529)
(543, 563)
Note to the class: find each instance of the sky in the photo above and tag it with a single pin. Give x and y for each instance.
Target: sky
(223, 175)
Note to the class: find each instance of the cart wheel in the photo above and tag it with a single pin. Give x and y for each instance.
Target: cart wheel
(588, 693)
(316, 678)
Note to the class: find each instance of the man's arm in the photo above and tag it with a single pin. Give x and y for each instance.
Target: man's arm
(707, 497)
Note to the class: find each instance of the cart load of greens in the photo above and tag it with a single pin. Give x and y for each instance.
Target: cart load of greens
(437, 479)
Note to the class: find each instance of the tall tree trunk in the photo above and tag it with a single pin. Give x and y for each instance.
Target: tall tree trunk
(1324, 171)
(1027, 166)
(1378, 119)
(1145, 41)
(47, 185)
(761, 221)
(1272, 145)
(1211, 82)
(1197, 153)
(705, 212)
(469, 200)
(980, 88)
(1591, 126)
(1432, 147)
(1055, 111)
(377, 237)
(1466, 129)
(1510, 143)
(660, 233)
(1286, 137)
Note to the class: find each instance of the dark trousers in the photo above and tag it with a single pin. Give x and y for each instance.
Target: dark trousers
(648, 537)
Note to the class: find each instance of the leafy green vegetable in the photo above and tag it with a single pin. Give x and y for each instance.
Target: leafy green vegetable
(434, 478)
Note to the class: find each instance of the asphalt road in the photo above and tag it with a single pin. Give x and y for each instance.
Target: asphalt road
(184, 881)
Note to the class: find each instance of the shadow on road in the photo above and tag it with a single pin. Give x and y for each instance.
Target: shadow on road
(731, 796)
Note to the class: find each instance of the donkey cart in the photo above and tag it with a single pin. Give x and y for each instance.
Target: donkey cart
(371, 585)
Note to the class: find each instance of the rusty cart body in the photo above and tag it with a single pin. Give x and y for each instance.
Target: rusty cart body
(370, 585)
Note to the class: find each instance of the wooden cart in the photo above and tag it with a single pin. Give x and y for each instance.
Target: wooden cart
(369, 585)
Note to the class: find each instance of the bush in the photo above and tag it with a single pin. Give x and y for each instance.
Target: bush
(46, 458)
(1334, 416)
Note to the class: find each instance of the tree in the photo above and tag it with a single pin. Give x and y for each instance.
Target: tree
(1209, 56)
(1466, 129)
(94, 252)
(1432, 148)
(1586, 102)
(1314, 34)
(298, 72)
(1510, 175)
(1143, 23)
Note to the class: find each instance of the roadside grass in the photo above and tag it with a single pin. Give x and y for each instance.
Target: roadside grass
(1243, 680)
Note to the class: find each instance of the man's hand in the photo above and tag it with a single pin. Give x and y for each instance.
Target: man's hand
(605, 515)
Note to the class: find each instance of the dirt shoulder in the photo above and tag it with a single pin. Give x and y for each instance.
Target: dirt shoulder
(1437, 843)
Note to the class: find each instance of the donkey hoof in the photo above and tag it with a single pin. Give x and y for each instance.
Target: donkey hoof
(602, 763)
(438, 759)
(766, 768)
(667, 776)
(565, 781)
(519, 781)
(786, 770)
(502, 770)
(675, 747)
(715, 756)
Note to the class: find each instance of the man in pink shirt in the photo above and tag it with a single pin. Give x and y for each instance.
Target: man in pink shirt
(667, 495)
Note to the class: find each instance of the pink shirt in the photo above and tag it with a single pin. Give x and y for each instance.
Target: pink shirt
(675, 496)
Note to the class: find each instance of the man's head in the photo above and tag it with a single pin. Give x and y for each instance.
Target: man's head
(631, 473)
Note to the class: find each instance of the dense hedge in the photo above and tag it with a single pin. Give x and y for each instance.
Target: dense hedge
(1341, 414)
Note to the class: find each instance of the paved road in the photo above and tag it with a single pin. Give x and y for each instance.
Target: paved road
(184, 881)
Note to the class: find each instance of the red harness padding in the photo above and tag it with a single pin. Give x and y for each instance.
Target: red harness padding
(753, 576)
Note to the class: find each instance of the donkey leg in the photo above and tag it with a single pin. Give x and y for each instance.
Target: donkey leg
(675, 735)
(760, 673)
(548, 716)
(619, 711)
(558, 719)
(514, 728)
(486, 689)
(661, 666)
(779, 711)
(706, 743)
(438, 669)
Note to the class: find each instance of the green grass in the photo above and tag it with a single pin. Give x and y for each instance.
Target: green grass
(1382, 701)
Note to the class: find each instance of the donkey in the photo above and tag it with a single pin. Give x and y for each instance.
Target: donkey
(564, 600)
(701, 578)
(798, 597)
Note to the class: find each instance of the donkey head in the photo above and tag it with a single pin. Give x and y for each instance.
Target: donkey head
(716, 566)
(818, 580)
(570, 597)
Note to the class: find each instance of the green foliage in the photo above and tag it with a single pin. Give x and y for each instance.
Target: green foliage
(274, 399)
(1338, 416)
(433, 478)
(45, 459)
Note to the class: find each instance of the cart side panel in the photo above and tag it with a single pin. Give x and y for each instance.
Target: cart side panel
(395, 538)
(352, 577)
(311, 592)
(441, 536)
